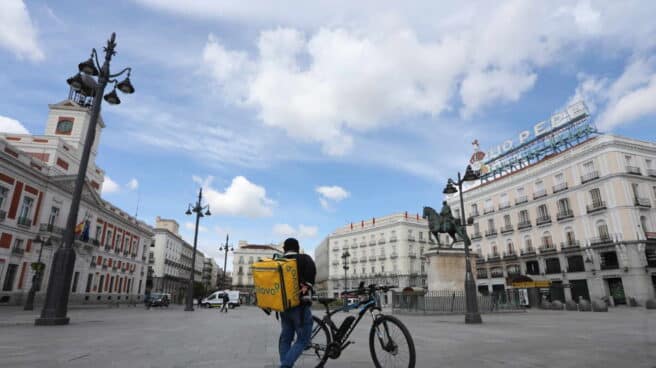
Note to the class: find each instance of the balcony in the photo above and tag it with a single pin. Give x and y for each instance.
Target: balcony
(633, 170)
(481, 274)
(488, 210)
(411, 238)
(507, 229)
(16, 251)
(524, 225)
(590, 177)
(381, 241)
(496, 273)
(547, 249)
(476, 235)
(572, 244)
(336, 249)
(494, 256)
(596, 206)
(521, 199)
(354, 245)
(559, 187)
(24, 222)
(564, 215)
(93, 264)
(490, 233)
(363, 244)
(543, 220)
(394, 255)
(363, 259)
(382, 257)
(642, 202)
(651, 172)
(503, 206)
(393, 239)
(601, 241)
(412, 254)
(3, 214)
(527, 252)
(539, 193)
(509, 255)
(372, 258)
(335, 263)
(474, 213)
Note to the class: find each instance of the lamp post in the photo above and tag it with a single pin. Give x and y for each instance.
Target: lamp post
(472, 314)
(55, 306)
(38, 272)
(225, 250)
(345, 257)
(197, 208)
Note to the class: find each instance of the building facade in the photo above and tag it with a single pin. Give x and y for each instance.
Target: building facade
(581, 221)
(210, 274)
(170, 260)
(243, 257)
(385, 251)
(37, 175)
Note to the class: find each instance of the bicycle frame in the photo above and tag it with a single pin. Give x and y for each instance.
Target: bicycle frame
(370, 305)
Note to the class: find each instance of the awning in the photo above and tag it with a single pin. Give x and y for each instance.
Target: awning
(531, 284)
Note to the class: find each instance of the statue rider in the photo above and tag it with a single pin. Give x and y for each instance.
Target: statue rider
(446, 217)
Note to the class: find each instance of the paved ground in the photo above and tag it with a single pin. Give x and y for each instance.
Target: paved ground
(135, 337)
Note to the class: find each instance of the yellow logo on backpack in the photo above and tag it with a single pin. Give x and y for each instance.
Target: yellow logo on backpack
(276, 284)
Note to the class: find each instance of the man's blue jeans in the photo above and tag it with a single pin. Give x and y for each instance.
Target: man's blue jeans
(296, 321)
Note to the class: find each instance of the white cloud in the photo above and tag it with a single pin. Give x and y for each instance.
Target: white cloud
(191, 226)
(481, 89)
(303, 231)
(17, 32)
(9, 125)
(623, 100)
(133, 184)
(241, 198)
(110, 186)
(335, 193)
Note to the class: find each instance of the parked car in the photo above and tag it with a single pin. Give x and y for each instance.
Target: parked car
(216, 299)
(158, 300)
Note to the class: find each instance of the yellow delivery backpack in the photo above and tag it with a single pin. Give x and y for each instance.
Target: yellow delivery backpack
(276, 284)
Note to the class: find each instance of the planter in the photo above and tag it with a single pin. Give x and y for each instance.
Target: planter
(584, 306)
(557, 305)
(650, 304)
(571, 305)
(599, 306)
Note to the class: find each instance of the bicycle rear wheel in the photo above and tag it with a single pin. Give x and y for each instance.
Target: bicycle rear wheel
(390, 344)
(314, 355)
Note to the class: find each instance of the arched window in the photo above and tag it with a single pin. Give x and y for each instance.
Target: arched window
(495, 250)
(547, 241)
(528, 243)
(509, 247)
(570, 237)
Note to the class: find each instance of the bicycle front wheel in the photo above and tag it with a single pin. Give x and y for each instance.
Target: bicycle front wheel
(314, 355)
(390, 344)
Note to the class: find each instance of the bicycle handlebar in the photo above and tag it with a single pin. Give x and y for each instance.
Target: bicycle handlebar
(362, 290)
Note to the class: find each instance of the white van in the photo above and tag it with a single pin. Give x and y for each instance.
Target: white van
(216, 299)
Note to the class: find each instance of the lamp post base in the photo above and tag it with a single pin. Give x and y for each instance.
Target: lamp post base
(56, 303)
(189, 309)
(54, 321)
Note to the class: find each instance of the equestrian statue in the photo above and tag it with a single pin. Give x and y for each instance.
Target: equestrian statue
(443, 222)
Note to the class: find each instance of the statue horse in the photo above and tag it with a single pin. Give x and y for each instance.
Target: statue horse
(437, 225)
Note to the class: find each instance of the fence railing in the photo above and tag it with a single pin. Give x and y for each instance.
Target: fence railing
(453, 302)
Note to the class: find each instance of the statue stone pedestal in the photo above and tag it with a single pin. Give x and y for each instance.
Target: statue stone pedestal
(446, 268)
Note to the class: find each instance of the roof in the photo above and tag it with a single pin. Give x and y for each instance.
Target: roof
(260, 247)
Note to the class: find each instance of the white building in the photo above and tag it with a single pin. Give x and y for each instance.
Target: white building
(243, 257)
(210, 273)
(170, 260)
(37, 175)
(581, 219)
(386, 251)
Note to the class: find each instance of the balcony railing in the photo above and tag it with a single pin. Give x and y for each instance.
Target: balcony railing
(481, 275)
(547, 248)
(412, 254)
(496, 274)
(539, 194)
(601, 240)
(634, 170)
(490, 233)
(411, 238)
(507, 229)
(394, 255)
(524, 225)
(51, 229)
(354, 245)
(651, 172)
(596, 206)
(382, 257)
(494, 256)
(559, 187)
(372, 258)
(474, 213)
(381, 241)
(488, 210)
(509, 254)
(503, 206)
(476, 235)
(563, 215)
(393, 239)
(521, 199)
(372, 242)
(527, 252)
(363, 259)
(17, 251)
(642, 202)
(336, 249)
(590, 177)
(542, 220)
(570, 244)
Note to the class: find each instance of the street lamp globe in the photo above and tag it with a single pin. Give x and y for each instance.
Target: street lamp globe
(125, 86)
(450, 188)
(112, 98)
(88, 67)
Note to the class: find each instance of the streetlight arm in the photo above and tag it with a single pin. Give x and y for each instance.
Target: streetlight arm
(128, 69)
(94, 55)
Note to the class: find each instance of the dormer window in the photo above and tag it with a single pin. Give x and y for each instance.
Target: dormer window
(64, 126)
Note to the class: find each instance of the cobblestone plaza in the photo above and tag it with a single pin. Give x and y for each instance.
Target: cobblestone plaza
(245, 337)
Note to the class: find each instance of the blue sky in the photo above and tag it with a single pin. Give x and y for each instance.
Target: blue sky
(299, 117)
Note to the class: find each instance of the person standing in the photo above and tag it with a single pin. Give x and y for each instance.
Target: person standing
(226, 300)
(298, 320)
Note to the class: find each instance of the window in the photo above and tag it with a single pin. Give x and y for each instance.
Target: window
(595, 196)
(25, 209)
(511, 248)
(542, 211)
(9, 277)
(532, 268)
(4, 193)
(18, 244)
(89, 282)
(382, 268)
(575, 264)
(75, 277)
(241, 261)
(100, 283)
(559, 179)
(563, 206)
(488, 205)
(648, 164)
(523, 217)
(503, 200)
(588, 167)
(506, 221)
(477, 229)
(108, 238)
(602, 230)
(495, 251)
(373, 269)
(474, 209)
(528, 244)
(539, 186)
(628, 160)
(569, 236)
(553, 265)
(636, 190)
(54, 213)
(490, 225)
(520, 192)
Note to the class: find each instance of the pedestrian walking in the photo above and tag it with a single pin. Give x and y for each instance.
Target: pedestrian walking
(298, 320)
(226, 300)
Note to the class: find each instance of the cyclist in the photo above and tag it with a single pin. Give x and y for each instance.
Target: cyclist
(298, 320)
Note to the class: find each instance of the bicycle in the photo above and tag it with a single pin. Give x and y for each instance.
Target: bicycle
(389, 338)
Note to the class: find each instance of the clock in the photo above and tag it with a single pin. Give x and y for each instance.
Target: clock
(64, 126)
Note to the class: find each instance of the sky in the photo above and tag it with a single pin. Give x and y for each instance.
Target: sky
(298, 117)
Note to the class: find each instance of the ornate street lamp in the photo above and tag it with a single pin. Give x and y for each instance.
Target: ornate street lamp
(197, 208)
(38, 273)
(55, 306)
(472, 315)
(225, 250)
(345, 257)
